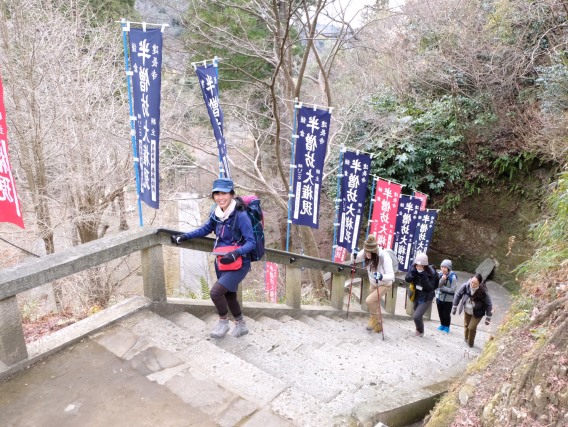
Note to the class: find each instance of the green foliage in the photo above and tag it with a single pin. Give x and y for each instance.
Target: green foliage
(550, 233)
(424, 148)
(204, 288)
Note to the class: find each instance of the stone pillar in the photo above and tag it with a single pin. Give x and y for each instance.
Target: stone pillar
(12, 343)
(390, 298)
(365, 288)
(294, 287)
(153, 273)
(337, 289)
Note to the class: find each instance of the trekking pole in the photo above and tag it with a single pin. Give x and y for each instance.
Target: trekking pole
(380, 315)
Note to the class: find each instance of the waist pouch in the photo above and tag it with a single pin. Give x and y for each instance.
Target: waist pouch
(221, 252)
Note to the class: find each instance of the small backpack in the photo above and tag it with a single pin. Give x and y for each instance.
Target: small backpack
(393, 258)
(252, 207)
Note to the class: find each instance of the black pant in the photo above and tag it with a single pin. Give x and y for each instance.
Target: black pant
(444, 311)
(225, 301)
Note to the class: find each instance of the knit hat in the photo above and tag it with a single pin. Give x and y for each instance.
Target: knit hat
(224, 185)
(446, 263)
(421, 259)
(371, 244)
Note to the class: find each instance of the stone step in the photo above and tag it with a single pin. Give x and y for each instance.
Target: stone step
(215, 381)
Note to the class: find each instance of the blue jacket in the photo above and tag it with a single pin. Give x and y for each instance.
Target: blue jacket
(223, 231)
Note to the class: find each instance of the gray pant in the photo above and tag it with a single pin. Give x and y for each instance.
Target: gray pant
(419, 310)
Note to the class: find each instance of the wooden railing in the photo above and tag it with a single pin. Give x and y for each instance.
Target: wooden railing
(149, 242)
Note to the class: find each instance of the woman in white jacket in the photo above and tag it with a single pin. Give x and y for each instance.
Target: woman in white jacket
(381, 277)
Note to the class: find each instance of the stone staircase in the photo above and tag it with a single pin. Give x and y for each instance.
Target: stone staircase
(303, 371)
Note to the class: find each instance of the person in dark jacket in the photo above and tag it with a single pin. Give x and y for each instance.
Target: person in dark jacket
(228, 215)
(475, 303)
(425, 281)
(447, 287)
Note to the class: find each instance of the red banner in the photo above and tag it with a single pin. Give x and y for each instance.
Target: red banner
(385, 207)
(9, 203)
(423, 199)
(340, 253)
(271, 282)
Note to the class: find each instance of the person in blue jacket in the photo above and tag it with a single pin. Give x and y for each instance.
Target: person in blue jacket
(228, 215)
(425, 281)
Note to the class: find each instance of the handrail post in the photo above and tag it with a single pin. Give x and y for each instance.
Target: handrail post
(153, 273)
(293, 287)
(337, 291)
(12, 342)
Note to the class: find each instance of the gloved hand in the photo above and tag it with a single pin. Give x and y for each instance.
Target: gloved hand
(377, 276)
(355, 253)
(454, 309)
(487, 320)
(177, 238)
(229, 257)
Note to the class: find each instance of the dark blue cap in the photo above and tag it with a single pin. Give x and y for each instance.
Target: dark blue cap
(224, 185)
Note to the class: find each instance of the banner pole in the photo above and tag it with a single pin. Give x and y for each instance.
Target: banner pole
(126, 28)
(371, 206)
(337, 200)
(290, 193)
(222, 172)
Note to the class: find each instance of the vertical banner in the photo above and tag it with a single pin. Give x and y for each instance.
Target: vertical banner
(339, 255)
(146, 65)
(311, 146)
(353, 193)
(209, 83)
(406, 219)
(423, 199)
(271, 282)
(10, 210)
(424, 230)
(385, 208)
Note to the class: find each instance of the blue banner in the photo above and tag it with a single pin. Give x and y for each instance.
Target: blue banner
(311, 146)
(424, 230)
(354, 181)
(146, 66)
(406, 220)
(209, 84)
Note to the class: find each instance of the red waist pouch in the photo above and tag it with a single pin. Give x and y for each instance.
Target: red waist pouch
(221, 252)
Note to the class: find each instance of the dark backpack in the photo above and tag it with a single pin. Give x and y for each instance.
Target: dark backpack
(251, 204)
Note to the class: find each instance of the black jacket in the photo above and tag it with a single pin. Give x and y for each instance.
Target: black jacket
(425, 281)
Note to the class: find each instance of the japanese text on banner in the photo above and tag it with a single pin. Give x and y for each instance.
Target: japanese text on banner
(10, 210)
(311, 146)
(424, 230)
(146, 62)
(271, 282)
(209, 84)
(406, 219)
(385, 208)
(355, 171)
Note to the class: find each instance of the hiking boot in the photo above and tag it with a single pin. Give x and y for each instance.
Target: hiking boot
(372, 323)
(441, 328)
(447, 329)
(220, 329)
(419, 334)
(239, 329)
(378, 328)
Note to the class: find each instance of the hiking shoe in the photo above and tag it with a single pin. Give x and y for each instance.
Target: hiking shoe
(239, 329)
(419, 334)
(221, 328)
(372, 323)
(441, 328)
(447, 329)
(378, 328)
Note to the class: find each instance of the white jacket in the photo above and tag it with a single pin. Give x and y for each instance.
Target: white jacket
(385, 268)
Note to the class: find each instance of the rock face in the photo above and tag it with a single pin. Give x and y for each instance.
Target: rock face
(486, 226)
